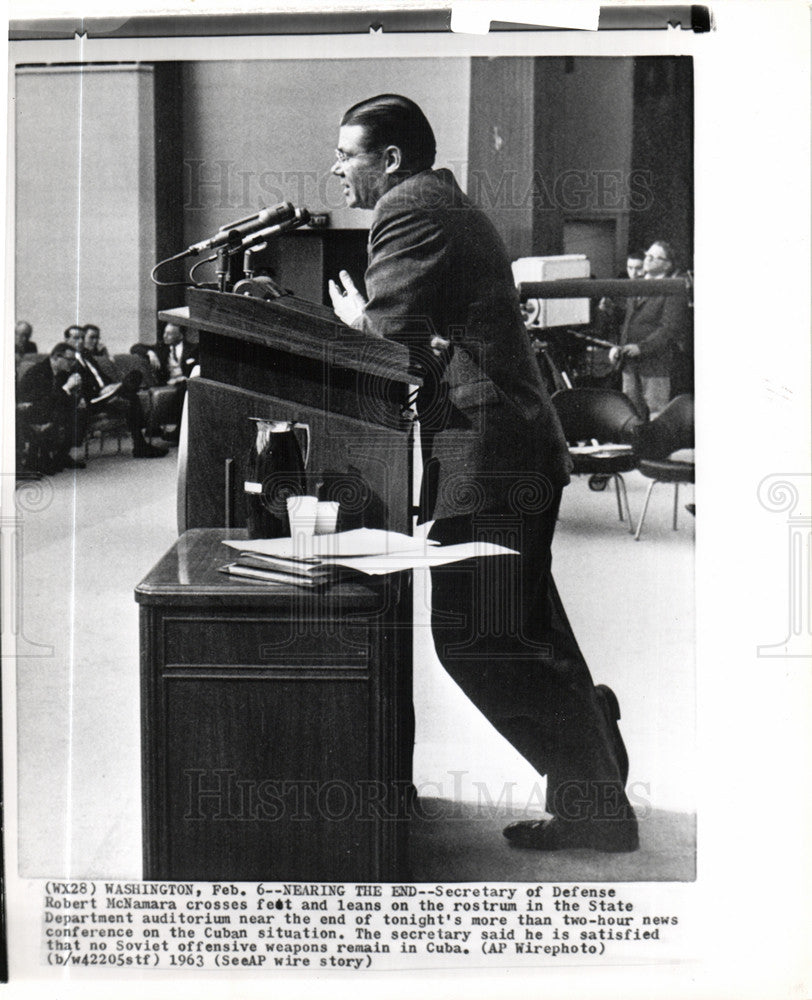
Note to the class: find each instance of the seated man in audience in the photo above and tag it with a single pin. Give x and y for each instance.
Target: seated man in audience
(23, 344)
(103, 394)
(94, 348)
(53, 388)
(171, 362)
(170, 357)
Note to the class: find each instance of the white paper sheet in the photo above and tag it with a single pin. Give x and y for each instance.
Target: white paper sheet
(359, 542)
(421, 558)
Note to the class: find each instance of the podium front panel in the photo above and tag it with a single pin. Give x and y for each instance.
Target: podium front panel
(364, 465)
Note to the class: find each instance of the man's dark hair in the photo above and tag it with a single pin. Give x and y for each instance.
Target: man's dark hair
(392, 120)
(636, 255)
(90, 326)
(73, 326)
(62, 348)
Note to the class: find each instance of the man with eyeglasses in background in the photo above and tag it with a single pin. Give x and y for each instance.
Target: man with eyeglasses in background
(494, 465)
(654, 328)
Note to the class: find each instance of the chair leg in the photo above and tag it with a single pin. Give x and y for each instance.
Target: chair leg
(620, 485)
(645, 508)
(616, 478)
(676, 504)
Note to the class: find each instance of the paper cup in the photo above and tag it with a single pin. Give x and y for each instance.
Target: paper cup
(302, 516)
(326, 517)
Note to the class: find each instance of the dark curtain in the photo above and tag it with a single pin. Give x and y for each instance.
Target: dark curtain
(663, 153)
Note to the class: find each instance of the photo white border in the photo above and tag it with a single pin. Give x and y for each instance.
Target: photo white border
(752, 214)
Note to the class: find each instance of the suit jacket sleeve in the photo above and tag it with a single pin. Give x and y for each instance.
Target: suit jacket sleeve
(670, 328)
(161, 351)
(408, 264)
(39, 386)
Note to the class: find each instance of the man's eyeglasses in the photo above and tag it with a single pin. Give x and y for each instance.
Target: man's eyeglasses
(342, 157)
(653, 256)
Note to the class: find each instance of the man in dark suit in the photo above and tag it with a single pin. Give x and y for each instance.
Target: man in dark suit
(655, 335)
(170, 357)
(495, 462)
(56, 411)
(93, 348)
(171, 360)
(102, 393)
(611, 313)
(23, 344)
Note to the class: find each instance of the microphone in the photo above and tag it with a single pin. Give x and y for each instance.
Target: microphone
(300, 217)
(233, 232)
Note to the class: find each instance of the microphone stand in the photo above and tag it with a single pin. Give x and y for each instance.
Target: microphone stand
(248, 259)
(223, 265)
(223, 269)
(261, 287)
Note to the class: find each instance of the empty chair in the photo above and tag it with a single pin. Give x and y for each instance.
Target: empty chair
(657, 446)
(600, 425)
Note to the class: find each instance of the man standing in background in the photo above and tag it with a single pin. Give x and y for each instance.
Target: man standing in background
(654, 329)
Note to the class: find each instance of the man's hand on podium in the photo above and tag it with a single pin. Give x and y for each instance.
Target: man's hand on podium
(348, 304)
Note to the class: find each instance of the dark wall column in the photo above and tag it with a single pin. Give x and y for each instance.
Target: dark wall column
(168, 110)
(501, 147)
(550, 154)
(663, 148)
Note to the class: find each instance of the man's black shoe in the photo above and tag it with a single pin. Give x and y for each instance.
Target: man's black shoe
(607, 699)
(610, 836)
(148, 451)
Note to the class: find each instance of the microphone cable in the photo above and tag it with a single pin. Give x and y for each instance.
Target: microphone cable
(170, 284)
(206, 260)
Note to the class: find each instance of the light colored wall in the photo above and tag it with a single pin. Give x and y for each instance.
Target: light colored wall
(85, 200)
(256, 133)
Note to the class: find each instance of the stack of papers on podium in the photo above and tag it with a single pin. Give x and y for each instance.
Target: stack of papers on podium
(307, 573)
(367, 550)
(600, 449)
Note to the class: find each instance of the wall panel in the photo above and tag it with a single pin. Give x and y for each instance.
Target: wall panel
(85, 200)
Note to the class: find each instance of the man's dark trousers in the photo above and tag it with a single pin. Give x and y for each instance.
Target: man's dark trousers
(501, 632)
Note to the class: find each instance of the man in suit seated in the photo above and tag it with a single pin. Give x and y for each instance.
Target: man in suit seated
(93, 348)
(494, 464)
(171, 360)
(23, 344)
(56, 413)
(170, 357)
(101, 393)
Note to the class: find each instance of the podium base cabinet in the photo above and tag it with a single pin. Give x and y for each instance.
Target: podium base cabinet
(277, 725)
